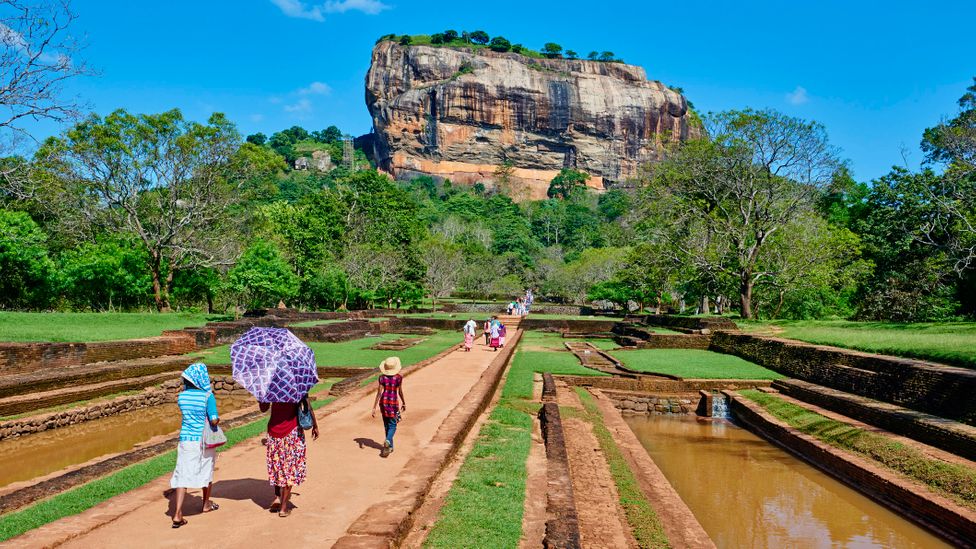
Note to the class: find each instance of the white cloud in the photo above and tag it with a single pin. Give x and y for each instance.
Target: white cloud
(371, 7)
(298, 9)
(300, 107)
(316, 88)
(315, 12)
(798, 96)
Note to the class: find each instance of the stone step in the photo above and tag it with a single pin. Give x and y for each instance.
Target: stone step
(54, 378)
(951, 436)
(24, 403)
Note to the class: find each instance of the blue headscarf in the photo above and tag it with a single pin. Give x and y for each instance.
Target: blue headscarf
(197, 375)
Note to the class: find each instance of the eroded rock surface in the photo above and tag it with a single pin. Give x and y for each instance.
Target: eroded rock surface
(459, 114)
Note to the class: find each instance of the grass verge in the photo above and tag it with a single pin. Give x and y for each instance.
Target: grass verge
(86, 496)
(949, 479)
(946, 342)
(644, 522)
(86, 327)
(487, 499)
(693, 364)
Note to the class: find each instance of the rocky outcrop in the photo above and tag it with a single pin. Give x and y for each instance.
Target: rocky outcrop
(458, 113)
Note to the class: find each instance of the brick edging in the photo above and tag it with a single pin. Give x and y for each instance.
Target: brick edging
(910, 499)
(562, 530)
(387, 522)
(679, 523)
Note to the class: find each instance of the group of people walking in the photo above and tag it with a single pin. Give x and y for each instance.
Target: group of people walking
(285, 445)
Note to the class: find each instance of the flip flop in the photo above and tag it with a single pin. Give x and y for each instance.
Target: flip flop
(176, 524)
(213, 507)
(283, 513)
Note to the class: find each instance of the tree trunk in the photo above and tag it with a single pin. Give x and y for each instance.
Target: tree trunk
(157, 284)
(745, 297)
(705, 307)
(167, 286)
(210, 306)
(779, 305)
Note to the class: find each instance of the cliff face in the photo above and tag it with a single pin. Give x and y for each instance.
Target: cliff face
(460, 114)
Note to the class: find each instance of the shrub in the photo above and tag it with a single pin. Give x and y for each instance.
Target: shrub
(500, 44)
(551, 50)
(479, 37)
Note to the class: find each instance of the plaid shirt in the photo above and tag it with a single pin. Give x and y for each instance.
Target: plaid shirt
(389, 400)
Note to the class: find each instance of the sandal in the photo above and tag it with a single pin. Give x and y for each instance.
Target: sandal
(213, 507)
(177, 524)
(275, 507)
(284, 513)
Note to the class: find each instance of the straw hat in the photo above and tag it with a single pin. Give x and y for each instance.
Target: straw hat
(390, 366)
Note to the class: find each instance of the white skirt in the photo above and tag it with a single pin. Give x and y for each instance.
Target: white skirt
(194, 465)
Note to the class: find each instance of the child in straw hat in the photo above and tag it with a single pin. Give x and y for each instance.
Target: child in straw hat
(389, 399)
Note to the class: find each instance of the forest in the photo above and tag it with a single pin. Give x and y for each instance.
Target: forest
(761, 218)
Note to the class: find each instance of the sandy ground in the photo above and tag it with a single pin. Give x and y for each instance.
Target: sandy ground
(346, 476)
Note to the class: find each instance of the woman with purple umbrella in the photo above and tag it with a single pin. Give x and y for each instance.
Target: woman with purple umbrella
(285, 450)
(279, 370)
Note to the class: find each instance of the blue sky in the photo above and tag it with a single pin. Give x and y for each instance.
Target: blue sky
(876, 73)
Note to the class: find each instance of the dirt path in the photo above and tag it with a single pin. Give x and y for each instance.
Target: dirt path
(346, 476)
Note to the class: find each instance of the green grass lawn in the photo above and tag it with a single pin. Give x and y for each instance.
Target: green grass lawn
(946, 342)
(949, 479)
(84, 327)
(693, 363)
(357, 353)
(486, 501)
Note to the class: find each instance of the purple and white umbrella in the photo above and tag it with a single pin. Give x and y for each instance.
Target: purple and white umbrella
(273, 365)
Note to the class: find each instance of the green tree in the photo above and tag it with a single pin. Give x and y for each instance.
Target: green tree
(570, 54)
(593, 56)
(158, 178)
(332, 134)
(479, 37)
(405, 40)
(196, 285)
(258, 139)
(26, 271)
(718, 201)
(500, 44)
(450, 35)
(566, 183)
(614, 203)
(107, 275)
(551, 50)
(607, 56)
(437, 38)
(262, 277)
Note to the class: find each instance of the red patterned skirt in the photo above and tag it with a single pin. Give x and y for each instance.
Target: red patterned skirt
(286, 459)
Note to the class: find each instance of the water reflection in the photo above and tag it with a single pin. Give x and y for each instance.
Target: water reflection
(748, 493)
(31, 456)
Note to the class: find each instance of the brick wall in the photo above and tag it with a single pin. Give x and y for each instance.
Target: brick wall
(945, 391)
(711, 323)
(662, 386)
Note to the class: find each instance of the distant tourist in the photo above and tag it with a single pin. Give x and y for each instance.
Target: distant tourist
(495, 334)
(502, 331)
(469, 330)
(390, 401)
(285, 449)
(509, 307)
(194, 462)
(488, 332)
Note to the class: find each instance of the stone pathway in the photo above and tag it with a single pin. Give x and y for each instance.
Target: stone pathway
(345, 477)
